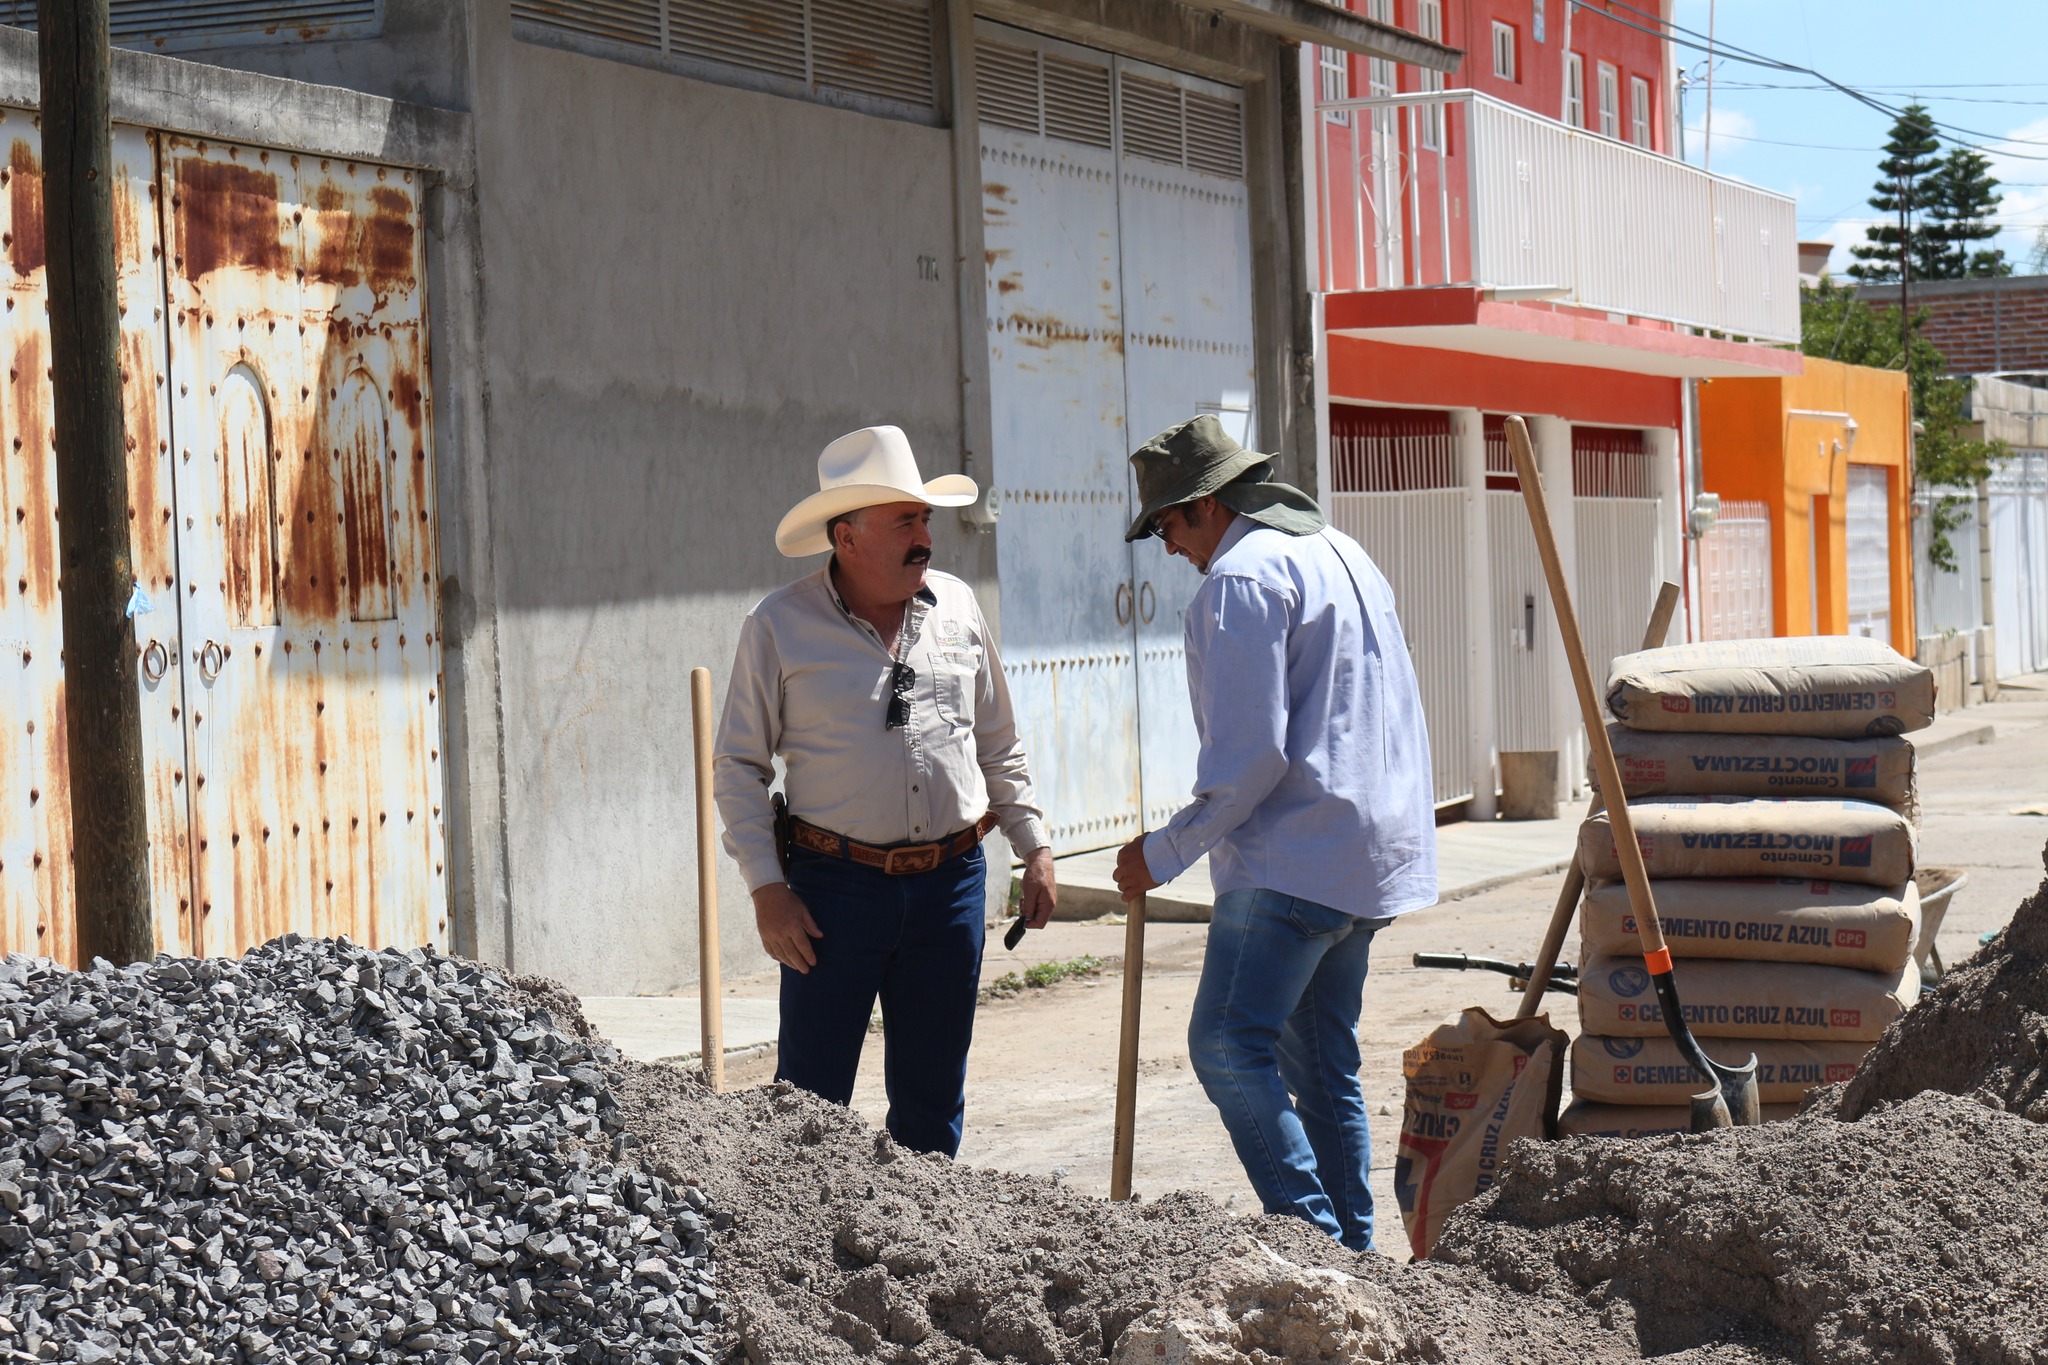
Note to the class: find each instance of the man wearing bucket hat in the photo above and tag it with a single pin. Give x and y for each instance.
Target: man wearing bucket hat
(1312, 800)
(875, 682)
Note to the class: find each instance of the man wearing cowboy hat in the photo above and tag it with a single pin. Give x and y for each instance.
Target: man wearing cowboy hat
(876, 683)
(1312, 800)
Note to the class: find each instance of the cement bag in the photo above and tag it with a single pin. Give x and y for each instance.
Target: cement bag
(1747, 1000)
(1728, 836)
(1684, 764)
(1762, 919)
(1826, 686)
(1650, 1071)
(1638, 1121)
(1474, 1086)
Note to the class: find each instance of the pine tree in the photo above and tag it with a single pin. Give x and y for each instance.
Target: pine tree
(1910, 160)
(1962, 202)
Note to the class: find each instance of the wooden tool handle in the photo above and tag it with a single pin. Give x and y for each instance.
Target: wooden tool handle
(710, 1007)
(1575, 875)
(1655, 955)
(1124, 1140)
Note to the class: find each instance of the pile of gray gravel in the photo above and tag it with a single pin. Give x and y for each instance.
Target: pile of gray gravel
(318, 1152)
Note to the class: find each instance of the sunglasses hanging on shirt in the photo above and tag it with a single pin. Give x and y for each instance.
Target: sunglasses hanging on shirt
(901, 679)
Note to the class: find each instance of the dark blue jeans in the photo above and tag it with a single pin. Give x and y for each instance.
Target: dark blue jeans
(916, 943)
(1277, 1012)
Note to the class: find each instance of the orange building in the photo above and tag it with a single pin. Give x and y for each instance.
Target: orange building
(1829, 455)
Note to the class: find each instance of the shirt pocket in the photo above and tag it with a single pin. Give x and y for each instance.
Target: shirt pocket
(956, 674)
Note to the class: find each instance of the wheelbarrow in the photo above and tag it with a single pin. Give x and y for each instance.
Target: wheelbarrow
(1938, 886)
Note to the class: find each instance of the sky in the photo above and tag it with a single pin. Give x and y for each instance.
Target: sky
(1976, 65)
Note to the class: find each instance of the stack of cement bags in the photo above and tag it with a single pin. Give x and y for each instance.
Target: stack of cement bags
(1773, 801)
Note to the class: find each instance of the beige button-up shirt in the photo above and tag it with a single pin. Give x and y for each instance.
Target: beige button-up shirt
(810, 685)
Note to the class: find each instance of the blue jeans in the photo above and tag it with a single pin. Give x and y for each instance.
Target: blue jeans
(916, 943)
(1277, 1011)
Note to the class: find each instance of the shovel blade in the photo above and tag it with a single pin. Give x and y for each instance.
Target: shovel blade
(1733, 1102)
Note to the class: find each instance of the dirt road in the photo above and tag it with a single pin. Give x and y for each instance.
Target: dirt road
(1042, 1076)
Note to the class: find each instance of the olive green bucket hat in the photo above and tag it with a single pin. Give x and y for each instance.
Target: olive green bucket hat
(1196, 458)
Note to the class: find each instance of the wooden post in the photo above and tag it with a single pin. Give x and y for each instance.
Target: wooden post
(1124, 1140)
(1575, 875)
(710, 1007)
(103, 712)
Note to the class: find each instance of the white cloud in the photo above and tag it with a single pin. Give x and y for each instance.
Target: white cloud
(1732, 130)
(2026, 189)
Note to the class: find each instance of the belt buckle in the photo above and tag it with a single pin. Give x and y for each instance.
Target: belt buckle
(914, 859)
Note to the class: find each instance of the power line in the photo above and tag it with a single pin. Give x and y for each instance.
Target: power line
(1701, 44)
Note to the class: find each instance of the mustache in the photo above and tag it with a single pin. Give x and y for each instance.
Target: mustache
(919, 555)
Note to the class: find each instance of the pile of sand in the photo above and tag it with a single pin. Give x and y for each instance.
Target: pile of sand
(1903, 1221)
(1908, 1226)
(834, 1244)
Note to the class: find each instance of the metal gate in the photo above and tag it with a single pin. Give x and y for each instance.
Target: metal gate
(1735, 574)
(275, 380)
(2019, 558)
(1868, 538)
(1118, 249)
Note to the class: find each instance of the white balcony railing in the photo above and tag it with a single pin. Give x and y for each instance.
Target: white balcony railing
(1461, 189)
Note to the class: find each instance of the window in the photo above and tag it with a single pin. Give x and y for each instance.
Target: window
(1610, 102)
(1379, 74)
(1574, 89)
(1503, 50)
(1336, 68)
(1430, 20)
(1639, 111)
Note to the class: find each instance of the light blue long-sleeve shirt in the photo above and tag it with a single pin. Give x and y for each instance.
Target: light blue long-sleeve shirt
(1314, 775)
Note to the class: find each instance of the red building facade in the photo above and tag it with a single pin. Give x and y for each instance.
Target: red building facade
(1519, 238)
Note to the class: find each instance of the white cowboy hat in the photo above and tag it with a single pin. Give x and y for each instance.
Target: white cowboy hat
(865, 468)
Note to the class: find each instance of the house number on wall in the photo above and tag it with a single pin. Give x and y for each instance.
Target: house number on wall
(928, 268)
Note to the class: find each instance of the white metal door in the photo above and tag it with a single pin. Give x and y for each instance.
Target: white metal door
(2019, 558)
(1117, 240)
(1735, 574)
(1056, 379)
(1185, 239)
(1869, 541)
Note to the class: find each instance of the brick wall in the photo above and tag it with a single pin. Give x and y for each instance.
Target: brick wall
(1982, 326)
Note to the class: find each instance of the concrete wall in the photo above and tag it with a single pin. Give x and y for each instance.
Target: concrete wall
(692, 289)
(653, 300)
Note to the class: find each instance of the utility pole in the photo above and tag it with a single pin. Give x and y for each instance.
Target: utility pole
(109, 818)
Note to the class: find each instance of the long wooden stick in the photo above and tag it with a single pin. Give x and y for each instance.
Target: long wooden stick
(710, 1007)
(1575, 875)
(1648, 927)
(1124, 1140)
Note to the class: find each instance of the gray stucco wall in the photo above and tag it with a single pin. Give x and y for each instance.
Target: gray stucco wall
(653, 300)
(692, 288)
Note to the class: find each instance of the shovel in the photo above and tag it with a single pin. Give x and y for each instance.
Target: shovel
(1575, 875)
(1732, 1098)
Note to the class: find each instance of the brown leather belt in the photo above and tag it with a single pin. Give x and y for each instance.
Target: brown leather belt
(897, 860)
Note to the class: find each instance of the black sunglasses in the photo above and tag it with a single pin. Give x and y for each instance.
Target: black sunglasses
(901, 679)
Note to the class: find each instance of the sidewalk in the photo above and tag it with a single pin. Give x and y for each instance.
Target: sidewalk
(1471, 856)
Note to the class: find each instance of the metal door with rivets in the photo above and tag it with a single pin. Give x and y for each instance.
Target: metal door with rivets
(36, 908)
(1186, 248)
(305, 519)
(1056, 343)
(1119, 300)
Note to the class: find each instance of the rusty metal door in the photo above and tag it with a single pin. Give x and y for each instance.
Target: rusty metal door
(304, 513)
(36, 908)
(1056, 343)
